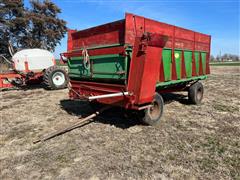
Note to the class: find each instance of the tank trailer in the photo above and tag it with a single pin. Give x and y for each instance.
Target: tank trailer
(30, 66)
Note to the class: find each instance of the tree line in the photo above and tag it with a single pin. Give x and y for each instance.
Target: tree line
(225, 57)
(37, 26)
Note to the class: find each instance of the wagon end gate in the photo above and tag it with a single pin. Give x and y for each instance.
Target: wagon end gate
(144, 66)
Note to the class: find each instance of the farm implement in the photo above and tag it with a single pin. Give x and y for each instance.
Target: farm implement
(131, 63)
(32, 66)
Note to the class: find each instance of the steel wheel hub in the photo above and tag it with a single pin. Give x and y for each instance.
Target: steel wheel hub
(58, 78)
(154, 111)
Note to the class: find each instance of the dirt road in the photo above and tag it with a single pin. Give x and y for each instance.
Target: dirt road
(191, 141)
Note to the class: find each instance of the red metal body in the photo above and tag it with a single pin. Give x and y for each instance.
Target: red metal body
(7, 79)
(125, 31)
(146, 69)
(145, 60)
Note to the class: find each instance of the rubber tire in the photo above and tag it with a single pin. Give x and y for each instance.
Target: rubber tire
(195, 93)
(47, 78)
(147, 118)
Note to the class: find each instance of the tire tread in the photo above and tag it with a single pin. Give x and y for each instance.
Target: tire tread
(48, 84)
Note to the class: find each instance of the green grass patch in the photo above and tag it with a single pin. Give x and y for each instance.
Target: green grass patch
(225, 64)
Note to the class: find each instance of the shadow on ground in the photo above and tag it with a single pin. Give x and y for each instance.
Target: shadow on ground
(25, 87)
(171, 97)
(116, 116)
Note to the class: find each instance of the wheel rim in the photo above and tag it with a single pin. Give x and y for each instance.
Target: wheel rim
(154, 111)
(199, 93)
(58, 78)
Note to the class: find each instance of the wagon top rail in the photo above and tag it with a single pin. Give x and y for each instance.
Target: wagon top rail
(124, 32)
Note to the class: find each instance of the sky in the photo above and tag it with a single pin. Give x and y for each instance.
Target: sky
(218, 18)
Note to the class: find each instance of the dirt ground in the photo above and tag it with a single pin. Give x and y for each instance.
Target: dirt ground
(191, 142)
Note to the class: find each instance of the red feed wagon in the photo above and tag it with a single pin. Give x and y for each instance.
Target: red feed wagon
(131, 62)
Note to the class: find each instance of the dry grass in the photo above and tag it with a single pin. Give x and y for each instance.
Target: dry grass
(192, 142)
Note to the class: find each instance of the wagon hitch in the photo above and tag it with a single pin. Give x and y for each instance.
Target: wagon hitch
(79, 123)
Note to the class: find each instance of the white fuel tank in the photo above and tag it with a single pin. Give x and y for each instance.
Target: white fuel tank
(37, 59)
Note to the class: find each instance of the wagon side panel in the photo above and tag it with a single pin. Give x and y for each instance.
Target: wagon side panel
(186, 53)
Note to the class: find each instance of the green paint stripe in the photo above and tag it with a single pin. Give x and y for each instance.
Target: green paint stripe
(97, 57)
(188, 63)
(99, 47)
(178, 61)
(184, 50)
(167, 64)
(161, 84)
(204, 55)
(196, 54)
(103, 67)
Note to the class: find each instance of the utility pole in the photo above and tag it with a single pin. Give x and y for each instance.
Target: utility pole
(220, 56)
